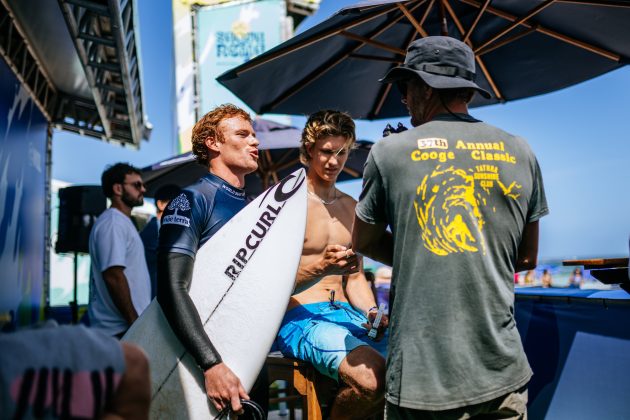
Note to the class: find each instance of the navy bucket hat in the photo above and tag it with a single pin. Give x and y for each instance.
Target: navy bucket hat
(441, 62)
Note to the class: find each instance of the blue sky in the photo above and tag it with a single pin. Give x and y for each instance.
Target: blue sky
(581, 136)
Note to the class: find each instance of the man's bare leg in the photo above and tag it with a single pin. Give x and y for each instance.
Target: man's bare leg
(362, 380)
(133, 395)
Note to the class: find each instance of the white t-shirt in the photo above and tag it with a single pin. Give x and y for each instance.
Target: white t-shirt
(114, 241)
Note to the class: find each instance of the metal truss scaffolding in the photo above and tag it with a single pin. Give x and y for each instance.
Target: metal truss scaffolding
(104, 38)
(19, 56)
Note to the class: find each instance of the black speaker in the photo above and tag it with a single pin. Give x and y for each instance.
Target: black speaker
(79, 206)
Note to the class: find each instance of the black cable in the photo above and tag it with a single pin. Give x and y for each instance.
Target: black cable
(255, 410)
(252, 411)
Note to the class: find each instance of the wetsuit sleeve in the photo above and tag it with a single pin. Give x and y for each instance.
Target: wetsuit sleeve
(174, 279)
(182, 225)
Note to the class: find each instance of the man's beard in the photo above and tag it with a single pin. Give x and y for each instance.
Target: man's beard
(130, 202)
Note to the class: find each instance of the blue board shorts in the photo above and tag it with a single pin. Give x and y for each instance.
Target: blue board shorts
(323, 334)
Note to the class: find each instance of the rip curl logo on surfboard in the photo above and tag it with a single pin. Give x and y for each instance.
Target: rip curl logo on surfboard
(179, 203)
(274, 205)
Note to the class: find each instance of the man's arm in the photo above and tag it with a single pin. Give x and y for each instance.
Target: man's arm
(361, 297)
(528, 248)
(337, 259)
(174, 279)
(373, 240)
(118, 288)
(359, 292)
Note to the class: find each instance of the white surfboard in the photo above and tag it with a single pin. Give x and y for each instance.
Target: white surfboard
(242, 281)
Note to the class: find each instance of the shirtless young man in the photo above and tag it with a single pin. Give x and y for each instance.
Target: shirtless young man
(327, 319)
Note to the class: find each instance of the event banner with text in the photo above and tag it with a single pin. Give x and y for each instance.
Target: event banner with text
(23, 133)
(224, 37)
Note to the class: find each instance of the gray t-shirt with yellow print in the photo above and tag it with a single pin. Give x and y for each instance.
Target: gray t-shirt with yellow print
(456, 195)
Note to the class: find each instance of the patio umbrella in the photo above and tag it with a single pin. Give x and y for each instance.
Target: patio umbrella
(278, 157)
(524, 48)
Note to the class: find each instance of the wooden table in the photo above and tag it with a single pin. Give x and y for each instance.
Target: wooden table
(606, 270)
(597, 263)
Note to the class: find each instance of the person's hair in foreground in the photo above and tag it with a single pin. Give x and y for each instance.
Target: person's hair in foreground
(167, 192)
(116, 174)
(322, 124)
(208, 127)
(163, 196)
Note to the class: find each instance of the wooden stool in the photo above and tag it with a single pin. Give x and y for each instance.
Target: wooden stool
(303, 383)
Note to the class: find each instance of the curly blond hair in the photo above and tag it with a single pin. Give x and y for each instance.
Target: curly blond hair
(208, 126)
(322, 124)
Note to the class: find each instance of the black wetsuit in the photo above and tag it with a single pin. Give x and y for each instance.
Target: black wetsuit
(187, 223)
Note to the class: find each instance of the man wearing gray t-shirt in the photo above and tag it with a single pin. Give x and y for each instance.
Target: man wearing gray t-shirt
(462, 199)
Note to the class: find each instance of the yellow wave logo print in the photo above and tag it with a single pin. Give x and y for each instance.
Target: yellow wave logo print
(448, 208)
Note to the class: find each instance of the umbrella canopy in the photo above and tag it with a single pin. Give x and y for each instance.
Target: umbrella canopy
(523, 48)
(278, 157)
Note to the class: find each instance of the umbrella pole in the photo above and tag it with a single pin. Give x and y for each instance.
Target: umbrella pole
(385, 91)
(387, 88)
(310, 41)
(470, 30)
(379, 105)
(546, 31)
(444, 25)
(505, 41)
(478, 59)
(414, 22)
(536, 10)
(373, 43)
(321, 70)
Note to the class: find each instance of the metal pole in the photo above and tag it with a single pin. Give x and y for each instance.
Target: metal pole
(48, 210)
(74, 305)
(194, 16)
(443, 23)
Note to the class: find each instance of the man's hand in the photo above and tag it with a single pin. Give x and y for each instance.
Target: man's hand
(340, 260)
(118, 288)
(371, 316)
(224, 388)
(336, 260)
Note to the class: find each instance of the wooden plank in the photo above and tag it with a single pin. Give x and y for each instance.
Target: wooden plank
(594, 263)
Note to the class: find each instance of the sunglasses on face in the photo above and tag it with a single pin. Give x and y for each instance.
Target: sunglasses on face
(138, 185)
